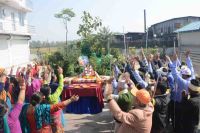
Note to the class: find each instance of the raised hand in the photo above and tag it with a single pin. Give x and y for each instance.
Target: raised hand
(133, 65)
(137, 58)
(167, 58)
(175, 57)
(109, 81)
(21, 82)
(74, 98)
(187, 53)
(142, 50)
(60, 70)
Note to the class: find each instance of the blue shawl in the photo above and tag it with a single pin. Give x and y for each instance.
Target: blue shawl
(3, 121)
(42, 115)
(23, 119)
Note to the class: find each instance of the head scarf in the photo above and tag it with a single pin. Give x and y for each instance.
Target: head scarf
(143, 96)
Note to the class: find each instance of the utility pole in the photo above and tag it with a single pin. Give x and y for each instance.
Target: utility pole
(48, 45)
(144, 20)
(145, 29)
(124, 40)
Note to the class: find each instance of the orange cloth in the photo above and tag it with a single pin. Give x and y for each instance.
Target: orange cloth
(2, 71)
(143, 96)
(4, 94)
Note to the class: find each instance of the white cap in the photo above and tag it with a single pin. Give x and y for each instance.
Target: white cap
(185, 71)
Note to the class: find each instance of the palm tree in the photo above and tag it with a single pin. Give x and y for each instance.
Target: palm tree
(105, 36)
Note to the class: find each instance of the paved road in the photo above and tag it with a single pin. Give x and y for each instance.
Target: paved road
(86, 123)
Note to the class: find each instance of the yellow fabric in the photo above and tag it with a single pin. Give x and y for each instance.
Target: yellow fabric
(153, 102)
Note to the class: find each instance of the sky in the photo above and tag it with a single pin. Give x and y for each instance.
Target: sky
(115, 14)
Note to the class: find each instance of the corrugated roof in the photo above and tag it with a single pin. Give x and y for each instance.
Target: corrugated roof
(194, 26)
(186, 17)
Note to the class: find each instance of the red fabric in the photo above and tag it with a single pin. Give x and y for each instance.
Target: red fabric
(31, 119)
(10, 91)
(85, 92)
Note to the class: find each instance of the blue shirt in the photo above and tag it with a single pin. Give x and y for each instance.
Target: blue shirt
(170, 80)
(139, 79)
(180, 83)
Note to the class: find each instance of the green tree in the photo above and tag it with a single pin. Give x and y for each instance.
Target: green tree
(89, 25)
(115, 52)
(66, 15)
(56, 59)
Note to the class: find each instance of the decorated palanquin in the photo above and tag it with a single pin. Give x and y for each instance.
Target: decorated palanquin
(88, 76)
(88, 85)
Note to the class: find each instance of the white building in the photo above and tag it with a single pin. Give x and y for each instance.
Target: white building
(189, 38)
(15, 32)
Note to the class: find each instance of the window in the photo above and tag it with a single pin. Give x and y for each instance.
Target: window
(1, 26)
(177, 25)
(13, 21)
(21, 18)
(1, 13)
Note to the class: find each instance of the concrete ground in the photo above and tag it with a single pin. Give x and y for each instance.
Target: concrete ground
(87, 123)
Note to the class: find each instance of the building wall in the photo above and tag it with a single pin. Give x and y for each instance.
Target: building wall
(9, 24)
(14, 51)
(14, 33)
(4, 53)
(20, 52)
(191, 40)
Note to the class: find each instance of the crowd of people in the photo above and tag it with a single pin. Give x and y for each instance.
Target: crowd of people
(151, 94)
(145, 95)
(30, 100)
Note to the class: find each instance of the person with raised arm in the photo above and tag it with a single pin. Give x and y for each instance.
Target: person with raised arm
(36, 116)
(182, 80)
(137, 120)
(11, 123)
(191, 109)
(53, 99)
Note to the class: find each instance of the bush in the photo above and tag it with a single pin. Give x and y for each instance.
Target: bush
(115, 52)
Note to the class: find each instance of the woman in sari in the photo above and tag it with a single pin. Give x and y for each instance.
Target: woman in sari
(54, 98)
(36, 116)
(9, 122)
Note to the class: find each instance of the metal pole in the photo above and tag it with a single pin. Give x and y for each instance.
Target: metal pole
(146, 39)
(127, 48)
(144, 20)
(124, 40)
(179, 45)
(174, 45)
(145, 29)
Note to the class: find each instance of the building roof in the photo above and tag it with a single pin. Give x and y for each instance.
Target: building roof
(194, 26)
(25, 6)
(175, 19)
(135, 33)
